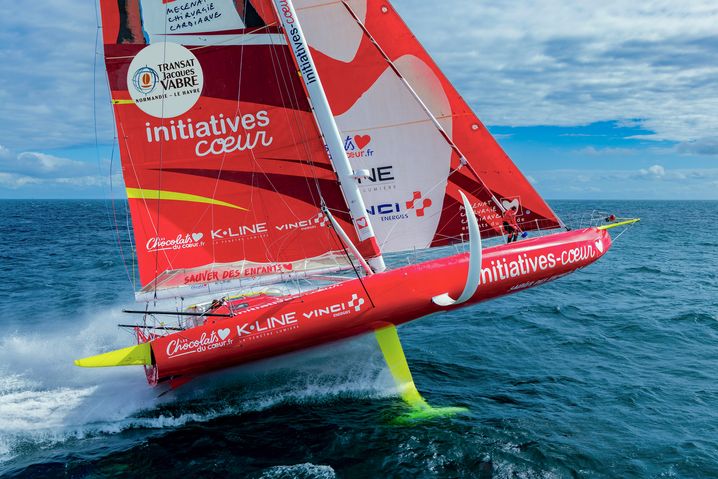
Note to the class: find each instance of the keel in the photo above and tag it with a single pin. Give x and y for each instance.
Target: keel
(390, 345)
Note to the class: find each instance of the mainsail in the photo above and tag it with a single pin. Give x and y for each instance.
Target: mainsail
(227, 171)
(224, 166)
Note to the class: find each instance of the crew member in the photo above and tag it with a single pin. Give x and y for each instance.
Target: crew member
(511, 227)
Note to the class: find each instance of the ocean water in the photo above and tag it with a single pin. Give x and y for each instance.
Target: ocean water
(608, 373)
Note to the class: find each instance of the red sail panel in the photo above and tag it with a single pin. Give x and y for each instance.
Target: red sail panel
(364, 52)
(221, 157)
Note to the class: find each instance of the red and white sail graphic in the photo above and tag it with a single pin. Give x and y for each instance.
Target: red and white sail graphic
(364, 52)
(221, 156)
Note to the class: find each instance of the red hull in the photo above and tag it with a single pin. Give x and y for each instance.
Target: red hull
(343, 310)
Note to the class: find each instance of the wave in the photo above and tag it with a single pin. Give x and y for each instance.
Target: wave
(45, 400)
(299, 471)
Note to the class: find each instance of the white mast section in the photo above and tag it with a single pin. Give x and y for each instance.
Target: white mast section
(328, 127)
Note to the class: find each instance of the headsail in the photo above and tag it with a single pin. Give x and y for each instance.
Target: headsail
(224, 166)
(380, 83)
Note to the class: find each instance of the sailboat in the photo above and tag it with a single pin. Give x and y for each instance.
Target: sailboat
(275, 153)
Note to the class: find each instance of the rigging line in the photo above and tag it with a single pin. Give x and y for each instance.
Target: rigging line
(118, 238)
(237, 112)
(304, 133)
(256, 165)
(462, 159)
(327, 212)
(354, 267)
(159, 173)
(116, 127)
(289, 60)
(137, 180)
(130, 276)
(280, 72)
(309, 156)
(259, 166)
(293, 97)
(97, 144)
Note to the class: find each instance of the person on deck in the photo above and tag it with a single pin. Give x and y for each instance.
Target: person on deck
(511, 227)
(216, 304)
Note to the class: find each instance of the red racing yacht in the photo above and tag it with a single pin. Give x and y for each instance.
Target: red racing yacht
(275, 152)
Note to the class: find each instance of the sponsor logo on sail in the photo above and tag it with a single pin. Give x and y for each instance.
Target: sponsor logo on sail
(181, 241)
(357, 146)
(145, 80)
(165, 80)
(418, 203)
(319, 220)
(216, 135)
(513, 202)
(378, 174)
(239, 232)
(401, 210)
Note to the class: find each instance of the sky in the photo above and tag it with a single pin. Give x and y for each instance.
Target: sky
(615, 99)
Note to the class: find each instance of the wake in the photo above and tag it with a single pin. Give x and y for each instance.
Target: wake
(46, 401)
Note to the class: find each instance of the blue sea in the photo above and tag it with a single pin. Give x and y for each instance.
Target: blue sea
(611, 372)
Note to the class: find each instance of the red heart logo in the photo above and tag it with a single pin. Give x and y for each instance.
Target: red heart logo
(362, 141)
(361, 222)
(288, 266)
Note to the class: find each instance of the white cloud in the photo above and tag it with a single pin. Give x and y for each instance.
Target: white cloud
(593, 151)
(543, 62)
(655, 171)
(14, 181)
(701, 146)
(31, 168)
(552, 62)
(47, 52)
(43, 165)
(679, 183)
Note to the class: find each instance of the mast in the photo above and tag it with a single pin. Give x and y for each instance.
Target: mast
(325, 119)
